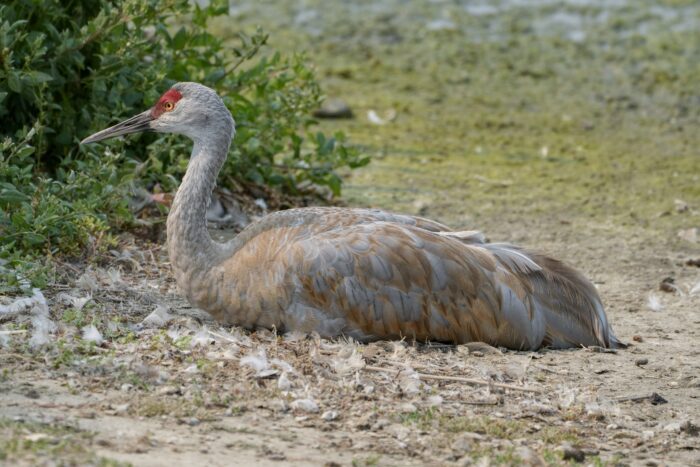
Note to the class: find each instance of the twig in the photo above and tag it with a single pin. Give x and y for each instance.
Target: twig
(459, 379)
(227, 339)
(487, 181)
(655, 398)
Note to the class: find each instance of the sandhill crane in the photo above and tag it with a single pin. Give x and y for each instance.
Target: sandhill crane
(363, 273)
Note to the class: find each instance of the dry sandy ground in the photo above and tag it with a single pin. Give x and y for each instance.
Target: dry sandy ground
(183, 391)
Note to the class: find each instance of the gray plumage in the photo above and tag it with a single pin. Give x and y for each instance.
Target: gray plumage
(363, 273)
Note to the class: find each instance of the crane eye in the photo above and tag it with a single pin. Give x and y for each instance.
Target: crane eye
(168, 106)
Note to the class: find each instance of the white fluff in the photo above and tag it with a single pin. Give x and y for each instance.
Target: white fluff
(39, 309)
(202, 338)
(695, 289)
(282, 365)
(158, 318)
(92, 334)
(654, 302)
(373, 117)
(434, 401)
(283, 383)
(409, 381)
(173, 333)
(76, 302)
(4, 339)
(115, 277)
(348, 363)
(259, 202)
(87, 281)
(305, 405)
(259, 363)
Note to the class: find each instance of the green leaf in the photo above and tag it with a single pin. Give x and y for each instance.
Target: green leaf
(10, 195)
(14, 82)
(38, 77)
(180, 39)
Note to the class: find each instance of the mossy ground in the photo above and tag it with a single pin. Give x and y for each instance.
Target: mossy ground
(587, 110)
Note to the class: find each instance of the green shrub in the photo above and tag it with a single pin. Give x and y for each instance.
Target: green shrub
(69, 68)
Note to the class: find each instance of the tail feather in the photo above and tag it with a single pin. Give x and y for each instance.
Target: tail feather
(572, 307)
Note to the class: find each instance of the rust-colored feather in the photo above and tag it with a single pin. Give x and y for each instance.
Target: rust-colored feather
(374, 275)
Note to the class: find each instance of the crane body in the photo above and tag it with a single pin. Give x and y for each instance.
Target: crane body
(364, 273)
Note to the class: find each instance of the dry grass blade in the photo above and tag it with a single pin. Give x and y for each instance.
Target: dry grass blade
(460, 379)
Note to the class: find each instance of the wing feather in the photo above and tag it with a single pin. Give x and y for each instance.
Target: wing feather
(374, 275)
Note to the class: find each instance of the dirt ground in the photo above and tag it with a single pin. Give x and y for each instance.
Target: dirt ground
(182, 390)
(583, 147)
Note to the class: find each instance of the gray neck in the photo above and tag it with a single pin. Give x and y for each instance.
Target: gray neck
(190, 246)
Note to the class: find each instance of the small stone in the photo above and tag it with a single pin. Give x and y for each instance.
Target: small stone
(168, 390)
(667, 285)
(366, 421)
(407, 408)
(528, 456)
(681, 206)
(461, 446)
(329, 415)
(32, 394)
(641, 361)
(304, 405)
(638, 338)
(380, 424)
(689, 428)
(477, 353)
(192, 421)
(571, 453)
(333, 108)
(674, 427)
(121, 408)
(434, 401)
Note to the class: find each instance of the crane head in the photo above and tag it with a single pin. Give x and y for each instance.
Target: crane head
(190, 109)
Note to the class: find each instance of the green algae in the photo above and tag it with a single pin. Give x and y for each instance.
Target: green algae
(583, 111)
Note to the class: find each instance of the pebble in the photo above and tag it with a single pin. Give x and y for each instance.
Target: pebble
(333, 108)
(407, 408)
(690, 428)
(528, 456)
(674, 427)
(641, 361)
(461, 446)
(571, 453)
(304, 405)
(329, 415)
(366, 421)
(168, 390)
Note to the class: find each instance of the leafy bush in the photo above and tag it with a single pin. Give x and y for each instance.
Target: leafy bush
(68, 68)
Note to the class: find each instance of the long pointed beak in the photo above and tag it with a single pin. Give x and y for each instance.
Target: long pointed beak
(137, 123)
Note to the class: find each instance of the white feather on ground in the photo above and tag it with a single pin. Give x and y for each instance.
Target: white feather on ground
(373, 117)
(305, 405)
(654, 302)
(158, 318)
(92, 334)
(39, 311)
(695, 289)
